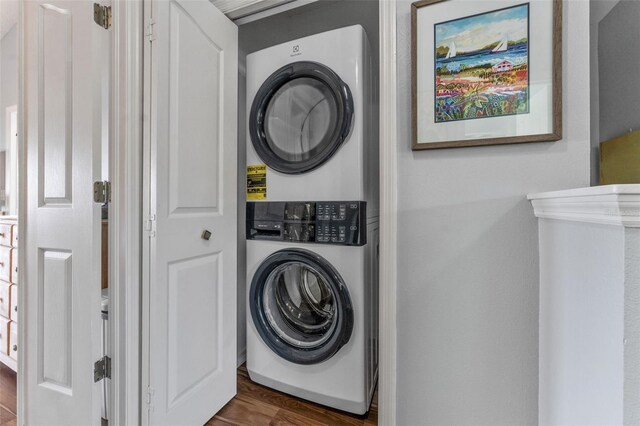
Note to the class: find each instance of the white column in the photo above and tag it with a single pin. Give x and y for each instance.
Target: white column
(589, 242)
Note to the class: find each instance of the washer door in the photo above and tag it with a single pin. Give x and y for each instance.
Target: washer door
(300, 116)
(301, 306)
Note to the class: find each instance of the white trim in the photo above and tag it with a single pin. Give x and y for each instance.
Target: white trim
(145, 206)
(388, 214)
(11, 147)
(22, 216)
(243, 16)
(125, 211)
(237, 9)
(607, 205)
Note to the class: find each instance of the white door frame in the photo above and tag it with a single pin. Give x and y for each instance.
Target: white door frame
(125, 220)
(126, 210)
(388, 215)
(22, 212)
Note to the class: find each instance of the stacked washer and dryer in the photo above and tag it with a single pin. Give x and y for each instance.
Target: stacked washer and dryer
(312, 238)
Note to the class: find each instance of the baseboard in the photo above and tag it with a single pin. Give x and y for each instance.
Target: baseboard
(242, 356)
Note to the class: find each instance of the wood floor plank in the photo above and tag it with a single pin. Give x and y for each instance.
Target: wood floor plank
(6, 416)
(8, 388)
(247, 409)
(289, 418)
(242, 412)
(310, 410)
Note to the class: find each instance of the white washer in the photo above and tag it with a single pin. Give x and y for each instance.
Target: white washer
(312, 322)
(310, 107)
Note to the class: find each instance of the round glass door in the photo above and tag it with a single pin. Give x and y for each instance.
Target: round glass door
(300, 306)
(300, 117)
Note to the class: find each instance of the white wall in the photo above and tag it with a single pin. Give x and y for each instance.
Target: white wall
(8, 78)
(468, 255)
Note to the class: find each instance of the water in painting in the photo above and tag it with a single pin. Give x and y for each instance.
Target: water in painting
(482, 65)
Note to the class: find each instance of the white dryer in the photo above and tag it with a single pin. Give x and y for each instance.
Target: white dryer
(310, 116)
(313, 300)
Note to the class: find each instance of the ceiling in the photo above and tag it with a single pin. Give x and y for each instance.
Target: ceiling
(8, 15)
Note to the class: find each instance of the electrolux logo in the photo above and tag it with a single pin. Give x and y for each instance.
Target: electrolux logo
(296, 50)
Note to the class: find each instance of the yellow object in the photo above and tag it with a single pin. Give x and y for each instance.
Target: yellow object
(620, 159)
(257, 182)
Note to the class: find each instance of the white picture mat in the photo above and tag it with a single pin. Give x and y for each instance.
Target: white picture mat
(539, 120)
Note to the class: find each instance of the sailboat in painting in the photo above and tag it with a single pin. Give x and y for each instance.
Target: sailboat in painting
(452, 51)
(502, 46)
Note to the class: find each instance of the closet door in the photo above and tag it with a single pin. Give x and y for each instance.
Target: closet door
(190, 290)
(60, 289)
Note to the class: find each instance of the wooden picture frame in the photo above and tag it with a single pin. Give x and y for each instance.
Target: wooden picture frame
(496, 90)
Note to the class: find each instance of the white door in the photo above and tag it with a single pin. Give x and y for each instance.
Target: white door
(61, 287)
(189, 325)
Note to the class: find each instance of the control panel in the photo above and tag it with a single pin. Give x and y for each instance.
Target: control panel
(324, 222)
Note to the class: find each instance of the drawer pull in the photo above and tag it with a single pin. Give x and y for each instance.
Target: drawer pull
(15, 308)
(1, 234)
(15, 348)
(1, 300)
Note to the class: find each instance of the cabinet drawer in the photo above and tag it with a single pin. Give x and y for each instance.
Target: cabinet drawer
(4, 335)
(5, 264)
(14, 235)
(5, 234)
(5, 299)
(14, 266)
(13, 297)
(13, 340)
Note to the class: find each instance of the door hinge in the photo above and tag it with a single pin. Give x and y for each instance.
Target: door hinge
(102, 15)
(149, 33)
(150, 225)
(102, 369)
(102, 192)
(149, 398)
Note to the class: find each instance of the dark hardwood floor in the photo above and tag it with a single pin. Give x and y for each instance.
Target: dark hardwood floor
(256, 405)
(8, 394)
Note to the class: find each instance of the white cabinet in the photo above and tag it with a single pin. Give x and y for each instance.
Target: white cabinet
(9, 293)
(589, 337)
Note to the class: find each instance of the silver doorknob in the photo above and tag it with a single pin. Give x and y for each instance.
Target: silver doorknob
(206, 234)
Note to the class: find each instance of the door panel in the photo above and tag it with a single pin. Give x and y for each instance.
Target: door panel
(192, 188)
(191, 160)
(61, 292)
(55, 63)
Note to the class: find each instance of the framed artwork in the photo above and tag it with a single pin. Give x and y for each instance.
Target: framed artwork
(486, 72)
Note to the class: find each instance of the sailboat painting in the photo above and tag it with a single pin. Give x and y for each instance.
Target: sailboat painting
(482, 65)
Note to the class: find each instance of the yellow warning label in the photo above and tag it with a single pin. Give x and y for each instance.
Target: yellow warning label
(257, 182)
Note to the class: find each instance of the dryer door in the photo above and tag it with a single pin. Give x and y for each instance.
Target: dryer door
(301, 306)
(300, 117)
